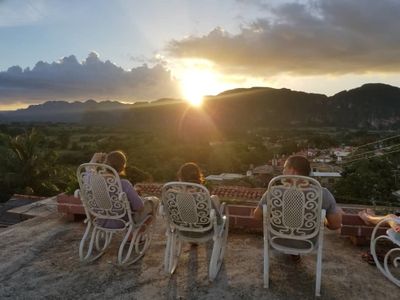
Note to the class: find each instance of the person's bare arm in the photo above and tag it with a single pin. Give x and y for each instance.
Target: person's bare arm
(258, 213)
(98, 157)
(334, 221)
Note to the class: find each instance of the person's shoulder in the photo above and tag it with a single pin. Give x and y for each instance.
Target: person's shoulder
(126, 182)
(326, 194)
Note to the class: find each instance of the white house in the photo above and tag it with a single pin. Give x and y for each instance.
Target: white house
(224, 176)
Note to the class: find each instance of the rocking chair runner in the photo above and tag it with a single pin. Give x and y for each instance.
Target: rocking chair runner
(104, 202)
(293, 220)
(191, 218)
(390, 257)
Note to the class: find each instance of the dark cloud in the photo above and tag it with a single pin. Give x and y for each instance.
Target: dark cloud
(69, 79)
(303, 38)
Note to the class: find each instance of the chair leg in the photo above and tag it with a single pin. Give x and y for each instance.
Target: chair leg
(106, 237)
(131, 256)
(86, 255)
(318, 271)
(218, 252)
(167, 250)
(266, 262)
(143, 239)
(174, 253)
(136, 248)
(214, 263)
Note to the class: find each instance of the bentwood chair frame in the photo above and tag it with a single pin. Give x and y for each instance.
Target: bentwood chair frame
(293, 220)
(187, 207)
(392, 257)
(103, 199)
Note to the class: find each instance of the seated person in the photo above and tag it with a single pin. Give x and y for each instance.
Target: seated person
(369, 218)
(190, 172)
(141, 208)
(299, 165)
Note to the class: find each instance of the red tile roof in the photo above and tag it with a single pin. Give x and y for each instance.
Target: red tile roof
(233, 192)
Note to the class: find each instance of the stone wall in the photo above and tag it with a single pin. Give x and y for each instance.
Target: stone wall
(241, 203)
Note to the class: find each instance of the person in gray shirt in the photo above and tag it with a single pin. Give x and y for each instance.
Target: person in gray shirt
(299, 165)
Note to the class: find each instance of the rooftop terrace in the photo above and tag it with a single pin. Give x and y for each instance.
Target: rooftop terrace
(39, 259)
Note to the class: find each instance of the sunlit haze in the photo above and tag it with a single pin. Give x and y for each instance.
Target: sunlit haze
(198, 79)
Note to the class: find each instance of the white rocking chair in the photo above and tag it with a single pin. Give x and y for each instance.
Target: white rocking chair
(188, 210)
(104, 201)
(293, 220)
(393, 255)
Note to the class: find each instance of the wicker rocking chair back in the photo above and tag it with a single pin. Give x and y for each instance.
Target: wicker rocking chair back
(101, 191)
(187, 206)
(294, 207)
(293, 220)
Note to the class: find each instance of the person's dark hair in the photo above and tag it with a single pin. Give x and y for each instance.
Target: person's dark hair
(190, 172)
(300, 164)
(116, 160)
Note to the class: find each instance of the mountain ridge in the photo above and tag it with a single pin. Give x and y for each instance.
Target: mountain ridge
(372, 105)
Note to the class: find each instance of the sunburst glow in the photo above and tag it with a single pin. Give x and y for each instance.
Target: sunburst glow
(197, 79)
(195, 84)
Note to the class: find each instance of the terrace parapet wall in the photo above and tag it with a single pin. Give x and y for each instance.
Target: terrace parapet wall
(241, 202)
(355, 228)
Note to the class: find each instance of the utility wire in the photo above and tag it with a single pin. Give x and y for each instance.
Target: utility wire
(373, 156)
(363, 153)
(378, 141)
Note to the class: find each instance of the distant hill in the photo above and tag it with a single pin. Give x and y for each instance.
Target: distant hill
(61, 111)
(369, 106)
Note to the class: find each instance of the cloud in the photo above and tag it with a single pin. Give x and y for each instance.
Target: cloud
(305, 38)
(68, 79)
(17, 13)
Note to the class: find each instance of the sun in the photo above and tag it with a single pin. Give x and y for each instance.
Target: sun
(199, 77)
(192, 92)
(196, 83)
(193, 86)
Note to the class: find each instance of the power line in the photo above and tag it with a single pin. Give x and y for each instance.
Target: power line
(376, 155)
(363, 153)
(385, 139)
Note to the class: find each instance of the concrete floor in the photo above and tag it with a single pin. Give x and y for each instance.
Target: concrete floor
(39, 259)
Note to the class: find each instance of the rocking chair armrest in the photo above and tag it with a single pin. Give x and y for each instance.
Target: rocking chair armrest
(161, 210)
(213, 220)
(265, 211)
(223, 209)
(222, 226)
(323, 215)
(213, 217)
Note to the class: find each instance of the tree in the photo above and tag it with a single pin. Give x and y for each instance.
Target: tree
(367, 181)
(135, 175)
(26, 166)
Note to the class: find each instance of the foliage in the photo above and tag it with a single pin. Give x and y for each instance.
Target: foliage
(135, 175)
(27, 167)
(31, 162)
(367, 181)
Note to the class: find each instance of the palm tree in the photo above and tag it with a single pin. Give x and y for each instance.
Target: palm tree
(26, 166)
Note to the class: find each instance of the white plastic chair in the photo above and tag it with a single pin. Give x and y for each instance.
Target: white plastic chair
(392, 254)
(104, 201)
(188, 210)
(293, 220)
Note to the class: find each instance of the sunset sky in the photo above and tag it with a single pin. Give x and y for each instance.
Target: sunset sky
(144, 50)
